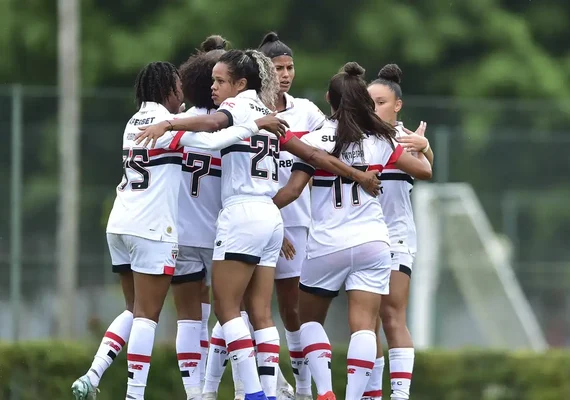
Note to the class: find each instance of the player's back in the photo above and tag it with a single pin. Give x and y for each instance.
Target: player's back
(199, 200)
(250, 167)
(147, 197)
(397, 205)
(303, 116)
(343, 214)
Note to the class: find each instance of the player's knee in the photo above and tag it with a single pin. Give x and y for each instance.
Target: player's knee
(393, 319)
(260, 316)
(362, 321)
(290, 315)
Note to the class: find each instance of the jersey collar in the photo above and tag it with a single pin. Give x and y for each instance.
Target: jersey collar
(289, 101)
(152, 106)
(249, 94)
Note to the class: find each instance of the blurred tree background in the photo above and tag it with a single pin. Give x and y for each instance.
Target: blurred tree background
(491, 78)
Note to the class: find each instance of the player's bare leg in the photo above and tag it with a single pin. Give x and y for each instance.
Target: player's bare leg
(401, 353)
(230, 280)
(86, 387)
(188, 302)
(313, 311)
(287, 291)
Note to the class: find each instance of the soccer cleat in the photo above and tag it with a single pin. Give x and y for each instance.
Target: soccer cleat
(83, 389)
(210, 396)
(193, 394)
(284, 390)
(327, 396)
(255, 396)
(303, 397)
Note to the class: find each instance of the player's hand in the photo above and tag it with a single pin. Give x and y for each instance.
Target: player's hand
(369, 182)
(415, 141)
(151, 133)
(287, 250)
(273, 124)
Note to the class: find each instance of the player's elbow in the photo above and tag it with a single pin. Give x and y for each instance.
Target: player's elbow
(314, 157)
(424, 174)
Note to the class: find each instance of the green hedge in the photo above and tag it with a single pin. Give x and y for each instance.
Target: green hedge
(32, 371)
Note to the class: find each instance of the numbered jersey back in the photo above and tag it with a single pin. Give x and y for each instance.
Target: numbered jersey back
(199, 200)
(249, 167)
(147, 197)
(343, 214)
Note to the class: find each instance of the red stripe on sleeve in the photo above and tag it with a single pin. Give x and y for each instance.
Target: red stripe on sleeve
(158, 152)
(288, 136)
(394, 157)
(175, 142)
(216, 162)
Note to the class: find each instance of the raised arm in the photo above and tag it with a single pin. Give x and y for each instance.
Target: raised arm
(418, 167)
(322, 160)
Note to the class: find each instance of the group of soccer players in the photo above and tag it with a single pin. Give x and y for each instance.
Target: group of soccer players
(278, 195)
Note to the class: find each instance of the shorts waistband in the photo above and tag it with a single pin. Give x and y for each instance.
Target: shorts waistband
(246, 199)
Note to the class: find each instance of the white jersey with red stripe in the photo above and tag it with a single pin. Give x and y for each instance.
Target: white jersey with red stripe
(199, 201)
(303, 116)
(147, 197)
(397, 205)
(343, 214)
(250, 167)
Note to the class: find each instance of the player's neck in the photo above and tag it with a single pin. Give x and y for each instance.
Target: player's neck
(280, 103)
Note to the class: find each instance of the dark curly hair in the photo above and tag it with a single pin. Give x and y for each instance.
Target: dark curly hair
(155, 82)
(196, 72)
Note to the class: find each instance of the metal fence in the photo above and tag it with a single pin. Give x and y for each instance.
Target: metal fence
(513, 153)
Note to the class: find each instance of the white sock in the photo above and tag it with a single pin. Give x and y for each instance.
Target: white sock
(242, 355)
(318, 353)
(139, 351)
(301, 372)
(401, 368)
(360, 362)
(217, 360)
(204, 341)
(188, 352)
(249, 326)
(113, 342)
(374, 388)
(267, 340)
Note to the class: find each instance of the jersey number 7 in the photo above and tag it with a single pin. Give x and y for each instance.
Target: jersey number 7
(132, 159)
(199, 165)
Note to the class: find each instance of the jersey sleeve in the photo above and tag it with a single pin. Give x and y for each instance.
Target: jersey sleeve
(213, 141)
(237, 110)
(392, 155)
(316, 118)
(301, 165)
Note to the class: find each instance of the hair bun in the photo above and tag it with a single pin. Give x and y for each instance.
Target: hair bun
(214, 42)
(353, 69)
(391, 72)
(269, 38)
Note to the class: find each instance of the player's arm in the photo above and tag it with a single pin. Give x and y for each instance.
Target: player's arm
(208, 123)
(300, 175)
(418, 167)
(227, 136)
(417, 142)
(322, 160)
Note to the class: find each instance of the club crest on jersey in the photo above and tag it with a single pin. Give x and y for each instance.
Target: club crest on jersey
(174, 253)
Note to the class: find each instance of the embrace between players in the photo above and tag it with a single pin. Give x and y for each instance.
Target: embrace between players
(252, 188)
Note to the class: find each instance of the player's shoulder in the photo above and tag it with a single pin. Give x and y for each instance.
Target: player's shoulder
(326, 134)
(193, 112)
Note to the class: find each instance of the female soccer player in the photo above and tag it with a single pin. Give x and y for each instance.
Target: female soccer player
(348, 238)
(303, 117)
(397, 206)
(143, 238)
(249, 227)
(199, 203)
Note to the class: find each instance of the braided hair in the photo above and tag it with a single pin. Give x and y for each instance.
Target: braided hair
(257, 69)
(155, 82)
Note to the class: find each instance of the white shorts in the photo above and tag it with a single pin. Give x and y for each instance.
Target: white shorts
(297, 235)
(364, 267)
(145, 256)
(402, 261)
(251, 232)
(193, 264)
